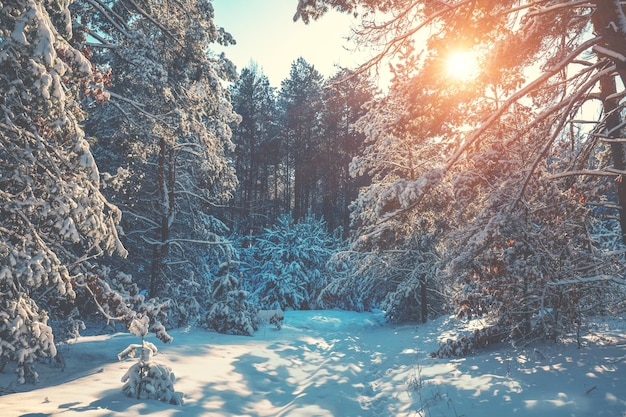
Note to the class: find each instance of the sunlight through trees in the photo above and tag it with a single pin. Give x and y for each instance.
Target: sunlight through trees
(143, 178)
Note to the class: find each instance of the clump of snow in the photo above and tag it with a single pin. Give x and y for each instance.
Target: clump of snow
(139, 326)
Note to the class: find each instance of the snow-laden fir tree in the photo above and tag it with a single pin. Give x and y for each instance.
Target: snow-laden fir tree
(289, 263)
(231, 310)
(54, 216)
(162, 139)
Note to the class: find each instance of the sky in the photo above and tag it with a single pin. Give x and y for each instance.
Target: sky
(266, 34)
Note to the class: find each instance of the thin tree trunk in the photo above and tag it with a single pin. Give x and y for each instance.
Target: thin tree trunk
(424, 298)
(158, 251)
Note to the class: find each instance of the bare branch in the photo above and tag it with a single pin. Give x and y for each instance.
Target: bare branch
(392, 47)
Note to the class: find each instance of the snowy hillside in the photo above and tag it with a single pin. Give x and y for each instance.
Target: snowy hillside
(342, 364)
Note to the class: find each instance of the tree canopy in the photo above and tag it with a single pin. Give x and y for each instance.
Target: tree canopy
(500, 177)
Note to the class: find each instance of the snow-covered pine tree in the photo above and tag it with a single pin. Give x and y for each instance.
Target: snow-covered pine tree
(165, 131)
(147, 379)
(291, 259)
(392, 258)
(526, 218)
(53, 215)
(231, 310)
(518, 267)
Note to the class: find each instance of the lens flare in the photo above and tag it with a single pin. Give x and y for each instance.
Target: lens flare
(462, 65)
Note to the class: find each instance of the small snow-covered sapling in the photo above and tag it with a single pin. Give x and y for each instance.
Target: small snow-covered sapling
(146, 379)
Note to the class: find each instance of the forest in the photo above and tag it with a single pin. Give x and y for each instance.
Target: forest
(146, 179)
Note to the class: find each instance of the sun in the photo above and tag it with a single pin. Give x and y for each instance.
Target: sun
(462, 65)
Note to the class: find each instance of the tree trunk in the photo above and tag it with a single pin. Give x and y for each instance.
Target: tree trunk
(610, 22)
(159, 250)
(613, 120)
(424, 298)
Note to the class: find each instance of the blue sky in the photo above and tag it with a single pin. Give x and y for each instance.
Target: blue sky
(266, 33)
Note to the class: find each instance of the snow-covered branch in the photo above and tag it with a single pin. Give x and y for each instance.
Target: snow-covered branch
(156, 23)
(108, 13)
(587, 280)
(584, 172)
(558, 7)
(608, 53)
(175, 241)
(514, 98)
(138, 106)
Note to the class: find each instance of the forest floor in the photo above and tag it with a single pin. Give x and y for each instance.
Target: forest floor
(338, 364)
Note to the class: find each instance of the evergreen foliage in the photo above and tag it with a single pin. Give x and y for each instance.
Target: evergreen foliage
(54, 217)
(497, 197)
(507, 168)
(258, 155)
(231, 311)
(300, 101)
(290, 263)
(165, 158)
(146, 379)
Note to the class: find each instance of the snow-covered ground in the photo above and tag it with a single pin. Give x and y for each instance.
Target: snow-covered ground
(341, 364)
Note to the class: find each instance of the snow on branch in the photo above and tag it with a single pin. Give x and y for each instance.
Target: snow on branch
(557, 7)
(589, 172)
(545, 76)
(613, 140)
(609, 53)
(138, 106)
(201, 242)
(586, 280)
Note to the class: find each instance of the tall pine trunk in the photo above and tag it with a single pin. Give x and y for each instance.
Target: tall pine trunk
(610, 23)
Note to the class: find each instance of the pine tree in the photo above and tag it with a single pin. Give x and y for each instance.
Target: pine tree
(290, 264)
(576, 48)
(392, 258)
(300, 100)
(54, 217)
(257, 153)
(146, 378)
(166, 157)
(345, 101)
(517, 156)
